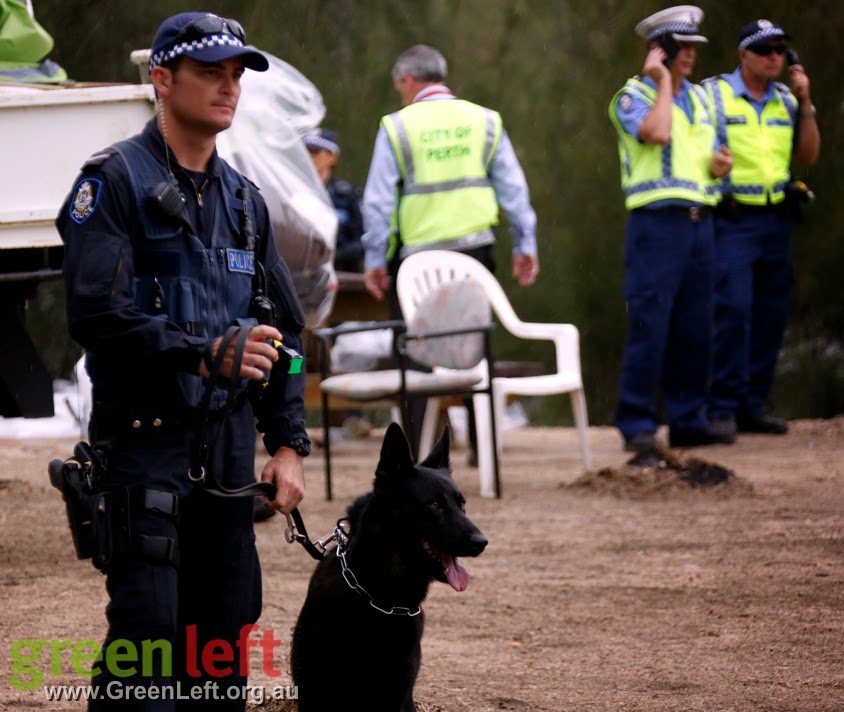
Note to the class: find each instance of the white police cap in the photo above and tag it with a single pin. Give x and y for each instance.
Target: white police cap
(681, 22)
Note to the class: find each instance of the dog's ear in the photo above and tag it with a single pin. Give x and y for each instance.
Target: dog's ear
(438, 457)
(395, 453)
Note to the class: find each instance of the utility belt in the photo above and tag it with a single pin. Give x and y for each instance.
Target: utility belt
(100, 514)
(731, 209)
(114, 420)
(693, 213)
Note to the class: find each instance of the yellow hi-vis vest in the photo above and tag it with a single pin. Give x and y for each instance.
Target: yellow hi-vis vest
(677, 171)
(761, 146)
(444, 148)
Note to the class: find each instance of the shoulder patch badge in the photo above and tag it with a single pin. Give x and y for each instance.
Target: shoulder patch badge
(625, 101)
(85, 198)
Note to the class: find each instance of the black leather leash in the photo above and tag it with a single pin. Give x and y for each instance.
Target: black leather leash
(204, 477)
(199, 473)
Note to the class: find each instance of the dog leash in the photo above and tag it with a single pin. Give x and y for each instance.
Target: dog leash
(296, 532)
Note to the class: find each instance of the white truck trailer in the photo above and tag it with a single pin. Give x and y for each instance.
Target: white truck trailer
(47, 134)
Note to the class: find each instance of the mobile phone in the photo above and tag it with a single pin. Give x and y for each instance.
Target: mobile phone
(670, 46)
(791, 57)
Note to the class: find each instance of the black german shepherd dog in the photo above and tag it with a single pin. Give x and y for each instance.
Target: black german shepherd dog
(357, 642)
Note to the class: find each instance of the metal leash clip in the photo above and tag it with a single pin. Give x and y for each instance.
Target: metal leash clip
(291, 534)
(295, 532)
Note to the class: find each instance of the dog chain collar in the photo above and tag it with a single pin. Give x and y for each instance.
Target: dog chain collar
(352, 581)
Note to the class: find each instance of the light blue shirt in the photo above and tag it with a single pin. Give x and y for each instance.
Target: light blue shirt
(380, 195)
(739, 88)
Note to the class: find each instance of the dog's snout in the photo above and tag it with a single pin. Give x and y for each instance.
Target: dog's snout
(479, 542)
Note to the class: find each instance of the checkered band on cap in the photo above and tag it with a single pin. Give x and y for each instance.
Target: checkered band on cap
(313, 141)
(680, 28)
(764, 33)
(186, 48)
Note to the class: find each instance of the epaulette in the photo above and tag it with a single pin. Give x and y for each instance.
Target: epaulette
(100, 157)
(251, 182)
(783, 88)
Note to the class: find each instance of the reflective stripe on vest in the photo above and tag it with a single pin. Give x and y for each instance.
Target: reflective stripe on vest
(443, 149)
(677, 171)
(761, 145)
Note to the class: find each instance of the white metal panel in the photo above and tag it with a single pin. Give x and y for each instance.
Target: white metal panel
(47, 134)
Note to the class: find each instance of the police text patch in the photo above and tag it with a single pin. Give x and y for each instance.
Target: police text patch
(85, 198)
(241, 261)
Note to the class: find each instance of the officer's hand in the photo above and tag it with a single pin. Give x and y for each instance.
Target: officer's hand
(799, 81)
(286, 471)
(525, 269)
(654, 66)
(258, 355)
(721, 162)
(376, 282)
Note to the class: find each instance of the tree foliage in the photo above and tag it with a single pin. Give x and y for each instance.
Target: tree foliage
(550, 68)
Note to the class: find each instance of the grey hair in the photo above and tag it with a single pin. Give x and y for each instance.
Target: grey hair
(421, 62)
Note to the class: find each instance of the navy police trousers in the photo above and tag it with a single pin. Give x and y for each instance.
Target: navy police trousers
(196, 608)
(752, 289)
(668, 262)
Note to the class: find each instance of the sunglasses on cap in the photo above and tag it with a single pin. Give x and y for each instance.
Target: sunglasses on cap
(766, 49)
(210, 25)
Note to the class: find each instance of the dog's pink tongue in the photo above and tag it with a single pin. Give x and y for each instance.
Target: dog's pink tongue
(458, 577)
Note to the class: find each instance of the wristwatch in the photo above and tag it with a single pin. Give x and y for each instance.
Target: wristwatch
(302, 446)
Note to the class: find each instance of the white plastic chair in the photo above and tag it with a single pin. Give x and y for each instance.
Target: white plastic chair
(452, 342)
(423, 273)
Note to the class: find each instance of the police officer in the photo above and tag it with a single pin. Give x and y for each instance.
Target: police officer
(666, 145)
(165, 247)
(766, 125)
(324, 148)
(440, 168)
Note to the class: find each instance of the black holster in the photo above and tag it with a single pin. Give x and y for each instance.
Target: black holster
(87, 503)
(99, 514)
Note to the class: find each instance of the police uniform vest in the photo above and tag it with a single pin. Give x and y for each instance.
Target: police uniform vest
(202, 289)
(676, 171)
(444, 149)
(761, 145)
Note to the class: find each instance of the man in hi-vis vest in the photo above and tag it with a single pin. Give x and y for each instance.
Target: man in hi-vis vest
(669, 163)
(440, 168)
(766, 125)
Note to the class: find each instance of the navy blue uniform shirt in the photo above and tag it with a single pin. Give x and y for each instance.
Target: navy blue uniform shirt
(137, 354)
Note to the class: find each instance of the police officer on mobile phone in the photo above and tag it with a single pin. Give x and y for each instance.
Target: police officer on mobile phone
(767, 125)
(669, 161)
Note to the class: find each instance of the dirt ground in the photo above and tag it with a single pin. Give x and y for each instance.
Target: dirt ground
(617, 595)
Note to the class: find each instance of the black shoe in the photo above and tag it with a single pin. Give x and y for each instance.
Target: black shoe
(641, 442)
(696, 438)
(762, 423)
(724, 426)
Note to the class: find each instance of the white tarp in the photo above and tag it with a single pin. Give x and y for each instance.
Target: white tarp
(265, 144)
